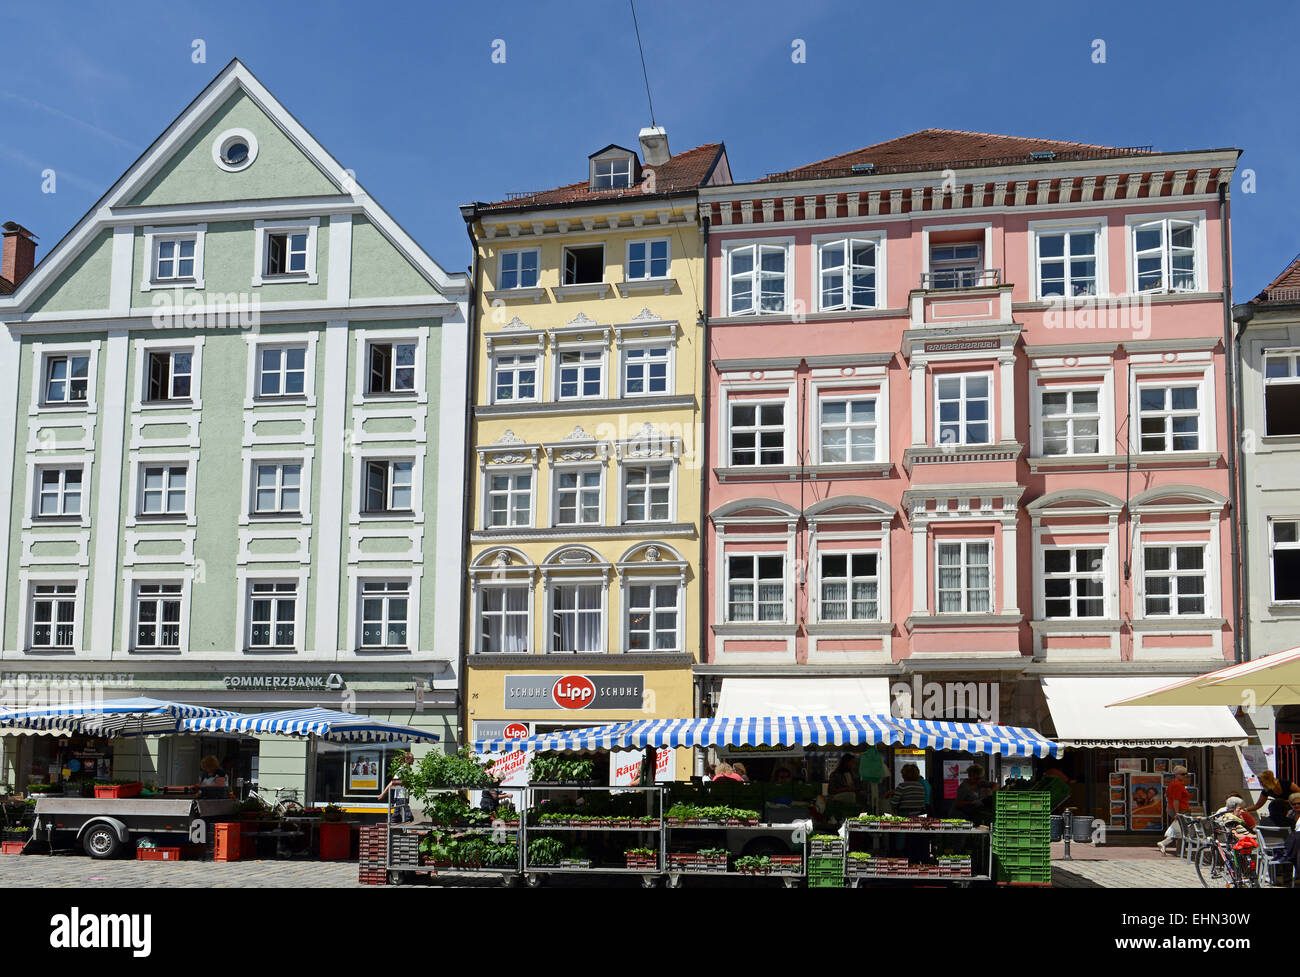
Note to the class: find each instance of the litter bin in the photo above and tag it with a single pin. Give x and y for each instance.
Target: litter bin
(1058, 827)
(1081, 828)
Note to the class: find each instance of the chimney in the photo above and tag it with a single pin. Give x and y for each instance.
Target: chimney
(19, 253)
(654, 145)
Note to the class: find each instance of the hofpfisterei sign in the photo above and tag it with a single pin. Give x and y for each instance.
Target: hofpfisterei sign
(574, 691)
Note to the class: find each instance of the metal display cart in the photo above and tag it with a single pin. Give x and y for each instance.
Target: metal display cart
(535, 874)
(402, 855)
(880, 830)
(798, 831)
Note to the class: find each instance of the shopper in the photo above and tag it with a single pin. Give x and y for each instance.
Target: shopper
(1235, 809)
(908, 798)
(1275, 794)
(973, 793)
(401, 804)
(843, 786)
(211, 774)
(739, 770)
(1177, 801)
(871, 773)
(725, 771)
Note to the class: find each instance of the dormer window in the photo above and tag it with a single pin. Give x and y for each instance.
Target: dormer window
(612, 174)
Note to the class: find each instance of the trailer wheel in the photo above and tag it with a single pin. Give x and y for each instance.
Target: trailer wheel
(533, 880)
(101, 842)
(649, 881)
(674, 882)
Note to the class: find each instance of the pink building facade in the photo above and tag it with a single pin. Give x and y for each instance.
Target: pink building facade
(968, 418)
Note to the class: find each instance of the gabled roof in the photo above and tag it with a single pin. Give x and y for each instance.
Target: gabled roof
(935, 149)
(612, 145)
(1284, 288)
(688, 170)
(234, 77)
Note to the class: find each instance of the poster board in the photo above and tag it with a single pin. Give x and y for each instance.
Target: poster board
(364, 771)
(1146, 801)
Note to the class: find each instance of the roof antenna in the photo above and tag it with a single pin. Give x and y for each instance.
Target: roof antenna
(631, 4)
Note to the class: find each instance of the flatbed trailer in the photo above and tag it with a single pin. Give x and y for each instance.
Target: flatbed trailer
(105, 827)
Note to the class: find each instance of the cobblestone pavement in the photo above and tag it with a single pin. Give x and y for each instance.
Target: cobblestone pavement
(1109, 868)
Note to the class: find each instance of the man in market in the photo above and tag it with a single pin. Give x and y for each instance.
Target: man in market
(871, 773)
(973, 795)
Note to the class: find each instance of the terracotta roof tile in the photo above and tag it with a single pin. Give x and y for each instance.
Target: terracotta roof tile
(1285, 287)
(683, 171)
(930, 149)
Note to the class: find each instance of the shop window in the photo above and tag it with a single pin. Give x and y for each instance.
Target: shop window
(354, 774)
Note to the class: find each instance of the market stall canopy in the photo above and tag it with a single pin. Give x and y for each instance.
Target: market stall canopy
(804, 697)
(112, 717)
(1273, 680)
(1078, 705)
(783, 731)
(978, 738)
(318, 722)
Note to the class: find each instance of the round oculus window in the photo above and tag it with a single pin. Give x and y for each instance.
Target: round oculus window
(234, 150)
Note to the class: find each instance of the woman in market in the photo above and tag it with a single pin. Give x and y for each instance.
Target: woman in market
(210, 773)
(843, 786)
(1235, 809)
(908, 798)
(971, 802)
(724, 771)
(1177, 800)
(401, 809)
(1275, 794)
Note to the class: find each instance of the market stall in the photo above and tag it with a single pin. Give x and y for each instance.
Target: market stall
(729, 827)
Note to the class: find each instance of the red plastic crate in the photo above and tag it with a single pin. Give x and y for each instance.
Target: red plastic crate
(158, 854)
(119, 790)
(11, 847)
(335, 842)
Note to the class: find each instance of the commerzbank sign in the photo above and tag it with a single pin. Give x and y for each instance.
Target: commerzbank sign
(284, 683)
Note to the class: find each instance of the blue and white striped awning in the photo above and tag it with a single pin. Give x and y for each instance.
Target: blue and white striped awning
(113, 717)
(719, 731)
(325, 724)
(784, 731)
(976, 738)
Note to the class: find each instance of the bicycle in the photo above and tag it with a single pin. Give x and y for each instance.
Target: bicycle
(285, 801)
(1228, 867)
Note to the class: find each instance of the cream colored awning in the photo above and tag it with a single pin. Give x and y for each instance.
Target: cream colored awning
(1078, 705)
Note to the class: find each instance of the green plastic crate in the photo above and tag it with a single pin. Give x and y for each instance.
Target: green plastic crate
(1014, 835)
(1022, 801)
(1041, 875)
(1013, 860)
(816, 883)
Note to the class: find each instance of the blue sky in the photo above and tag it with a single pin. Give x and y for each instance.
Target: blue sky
(415, 105)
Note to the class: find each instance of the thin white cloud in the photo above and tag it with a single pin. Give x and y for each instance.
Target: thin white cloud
(60, 114)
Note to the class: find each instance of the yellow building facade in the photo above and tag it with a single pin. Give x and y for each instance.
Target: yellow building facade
(583, 599)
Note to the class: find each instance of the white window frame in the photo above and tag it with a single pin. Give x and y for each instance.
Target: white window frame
(616, 164)
(625, 510)
(831, 395)
(261, 230)
(955, 265)
(172, 373)
(133, 614)
(283, 372)
(30, 623)
(303, 488)
(154, 236)
(364, 339)
(1205, 418)
(250, 596)
(786, 431)
(1040, 229)
(168, 465)
(501, 270)
(41, 352)
(849, 553)
(415, 367)
(412, 610)
(1100, 575)
(990, 421)
(389, 462)
(649, 261)
(587, 246)
(61, 494)
(727, 581)
(512, 471)
(731, 248)
(583, 350)
(553, 584)
(1200, 251)
(1273, 547)
(1042, 418)
(1209, 592)
(822, 241)
(965, 565)
(142, 348)
(630, 583)
(47, 364)
(578, 469)
(1292, 379)
(481, 613)
(670, 359)
(498, 369)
